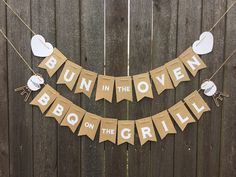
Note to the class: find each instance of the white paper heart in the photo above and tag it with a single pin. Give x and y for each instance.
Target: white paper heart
(205, 44)
(34, 83)
(39, 47)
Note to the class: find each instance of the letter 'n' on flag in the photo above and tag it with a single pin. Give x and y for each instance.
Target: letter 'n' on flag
(125, 132)
(86, 82)
(145, 130)
(163, 124)
(192, 61)
(59, 108)
(45, 98)
(196, 104)
(53, 62)
(89, 125)
(69, 74)
(181, 115)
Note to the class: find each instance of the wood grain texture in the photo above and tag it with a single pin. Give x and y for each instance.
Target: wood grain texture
(92, 57)
(164, 39)
(116, 15)
(140, 61)
(209, 129)
(88, 32)
(189, 29)
(228, 123)
(68, 41)
(44, 129)
(4, 145)
(20, 114)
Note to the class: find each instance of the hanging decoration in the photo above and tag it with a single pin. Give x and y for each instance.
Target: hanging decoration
(66, 113)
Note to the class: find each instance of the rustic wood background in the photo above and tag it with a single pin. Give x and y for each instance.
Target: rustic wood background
(92, 33)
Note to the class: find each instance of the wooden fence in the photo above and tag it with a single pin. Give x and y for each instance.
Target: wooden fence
(142, 34)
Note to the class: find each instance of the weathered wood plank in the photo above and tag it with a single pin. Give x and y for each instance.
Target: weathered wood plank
(209, 134)
(140, 61)
(92, 57)
(116, 65)
(189, 28)
(44, 129)
(68, 41)
(20, 114)
(163, 50)
(228, 123)
(4, 144)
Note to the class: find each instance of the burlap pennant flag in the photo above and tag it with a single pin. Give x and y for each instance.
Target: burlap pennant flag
(125, 132)
(124, 88)
(86, 82)
(59, 108)
(73, 117)
(45, 98)
(142, 85)
(89, 125)
(53, 62)
(181, 115)
(145, 130)
(163, 124)
(108, 129)
(105, 86)
(177, 71)
(69, 74)
(196, 104)
(161, 79)
(192, 61)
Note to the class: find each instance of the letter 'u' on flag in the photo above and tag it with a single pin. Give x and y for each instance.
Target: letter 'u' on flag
(145, 130)
(177, 71)
(108, 129)
(105, 86)
(163, 124)
(69, 74)
(89, 125)
(142, 85)
(124, 90)
(181, 115)
(192, 61)
(125, 132)
(161, 79)
(86, 82)
(45, 98)
(59, 108)
(196, 104)
(73, 117)
(53, 62)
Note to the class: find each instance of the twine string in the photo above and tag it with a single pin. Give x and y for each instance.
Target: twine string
(22, 58)
(27, 64)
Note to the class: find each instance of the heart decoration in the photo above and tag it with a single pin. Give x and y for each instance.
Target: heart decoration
(209, 88)
(39, 47)
(205, 43)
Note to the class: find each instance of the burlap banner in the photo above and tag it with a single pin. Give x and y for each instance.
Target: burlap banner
(108, 130)
(164, 77)
(53, 62)
(69, 74)
(119, 131)
(73, 117)
(86, 82)
(145, 130)
(105, 87)
(89, 125)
